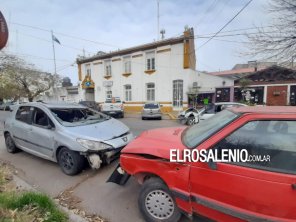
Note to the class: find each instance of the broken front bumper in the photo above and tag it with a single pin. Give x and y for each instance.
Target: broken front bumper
(119, 176)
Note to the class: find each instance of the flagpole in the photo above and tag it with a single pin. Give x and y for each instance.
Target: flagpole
(54, 59)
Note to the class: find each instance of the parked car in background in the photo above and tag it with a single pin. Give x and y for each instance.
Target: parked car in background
(193, 116)
(189, 116)
(90, 104)
(113, 107)
(7, 106)
(220, 191)
(151, 110)
(65, 133)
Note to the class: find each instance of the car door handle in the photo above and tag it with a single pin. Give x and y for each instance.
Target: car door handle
(293, 186)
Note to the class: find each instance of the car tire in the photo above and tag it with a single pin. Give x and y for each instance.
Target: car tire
(70, 161)
(190, 121)
(10, 145)
(143, 118)
(155, 207)
(159, 118)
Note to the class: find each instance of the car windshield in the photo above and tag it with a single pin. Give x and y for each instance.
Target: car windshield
(196, 134)
(77, 116)
(151, 106)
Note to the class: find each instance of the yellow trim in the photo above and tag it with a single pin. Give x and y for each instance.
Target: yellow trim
(107, 77)
(163, 50)
(114, 60)
(186, 54)
(88, 79)
(150, 71)
(79, 72)
(97, 63)
(127, 74)
(135, 56)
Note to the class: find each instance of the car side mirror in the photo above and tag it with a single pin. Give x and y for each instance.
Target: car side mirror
(49, 127)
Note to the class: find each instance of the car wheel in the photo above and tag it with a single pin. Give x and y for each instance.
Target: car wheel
(70, 161)
(156, 202)
(160, 118)
(191, 120)
(10, 145)
(143, 118)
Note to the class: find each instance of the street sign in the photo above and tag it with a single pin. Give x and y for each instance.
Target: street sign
(3, 31)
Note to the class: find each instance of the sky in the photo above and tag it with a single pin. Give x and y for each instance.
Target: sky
(88, 26)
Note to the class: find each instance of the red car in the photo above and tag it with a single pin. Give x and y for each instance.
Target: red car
(220, 191)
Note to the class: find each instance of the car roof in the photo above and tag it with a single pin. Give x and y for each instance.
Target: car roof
(230, 103)
(53, 104)
(265, 109)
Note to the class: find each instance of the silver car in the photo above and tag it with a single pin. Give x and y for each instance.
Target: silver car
(68, 134)
(151, 111)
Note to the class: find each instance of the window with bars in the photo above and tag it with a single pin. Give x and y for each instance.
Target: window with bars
(88, 70)
(108, 71)
(128, 92)
(150, 60)
(108, 94)
(150, 87)
(127, 65)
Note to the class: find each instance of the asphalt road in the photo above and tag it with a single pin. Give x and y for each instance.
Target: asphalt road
(113, 202)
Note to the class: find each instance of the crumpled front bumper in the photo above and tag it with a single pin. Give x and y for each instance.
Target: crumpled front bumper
(119, 176)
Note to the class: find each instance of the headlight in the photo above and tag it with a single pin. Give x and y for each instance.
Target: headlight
(93, 145)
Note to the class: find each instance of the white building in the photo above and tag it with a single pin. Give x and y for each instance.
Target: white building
(162, 71)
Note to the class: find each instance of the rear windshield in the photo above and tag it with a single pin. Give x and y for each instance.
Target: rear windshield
(77, 116)
(113, 101)
(151, 106)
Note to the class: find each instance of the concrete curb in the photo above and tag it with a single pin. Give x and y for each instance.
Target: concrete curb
(25, 186)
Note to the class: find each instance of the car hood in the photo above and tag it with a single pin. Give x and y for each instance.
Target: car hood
(157, 142)
(101, 131)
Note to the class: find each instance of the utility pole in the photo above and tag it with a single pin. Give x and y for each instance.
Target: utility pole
(157, 20)
(54, 59)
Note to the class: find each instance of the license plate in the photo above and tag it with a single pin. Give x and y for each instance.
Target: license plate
(112, 112)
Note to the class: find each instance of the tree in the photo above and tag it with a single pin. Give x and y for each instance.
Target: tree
(20, 79)
(277, 41)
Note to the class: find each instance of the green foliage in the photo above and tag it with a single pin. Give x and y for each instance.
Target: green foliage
(45, 206)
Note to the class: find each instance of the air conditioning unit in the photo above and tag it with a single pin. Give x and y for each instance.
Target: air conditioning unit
(196, 85)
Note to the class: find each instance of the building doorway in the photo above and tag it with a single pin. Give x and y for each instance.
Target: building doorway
(293, 95)
(222, 94)
(178, 94)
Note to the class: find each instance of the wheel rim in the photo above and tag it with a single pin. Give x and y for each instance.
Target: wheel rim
(67, 160)
(159, 204)
(9, 143)
(191, 121)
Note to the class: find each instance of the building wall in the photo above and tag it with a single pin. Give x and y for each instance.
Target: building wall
(277, 95)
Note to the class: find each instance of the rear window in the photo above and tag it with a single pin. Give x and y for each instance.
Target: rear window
(114, 100)
(151, 106)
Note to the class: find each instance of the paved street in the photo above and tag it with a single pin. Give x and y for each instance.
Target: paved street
(109, 200)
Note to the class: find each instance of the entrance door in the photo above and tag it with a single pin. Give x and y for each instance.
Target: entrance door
(89, 95)
(223, 95)
(293, 95)
(178, 94)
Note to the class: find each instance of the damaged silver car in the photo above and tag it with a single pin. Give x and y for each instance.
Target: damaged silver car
(65, 133)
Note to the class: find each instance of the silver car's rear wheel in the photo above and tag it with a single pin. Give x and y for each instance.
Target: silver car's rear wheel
(159, 204)
(191, 121)
(10, 145)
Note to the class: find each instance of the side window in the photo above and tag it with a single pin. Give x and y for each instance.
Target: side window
(23, 114)
(275, 139)
(41, 119)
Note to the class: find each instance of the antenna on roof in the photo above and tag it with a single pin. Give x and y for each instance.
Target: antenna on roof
(162, 32)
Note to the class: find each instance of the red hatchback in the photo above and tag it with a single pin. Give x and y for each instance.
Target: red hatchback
(254, 190)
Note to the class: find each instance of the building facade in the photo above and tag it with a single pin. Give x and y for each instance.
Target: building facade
(162, 71)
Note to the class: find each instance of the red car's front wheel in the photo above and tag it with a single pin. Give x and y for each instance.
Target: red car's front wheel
(157, 203)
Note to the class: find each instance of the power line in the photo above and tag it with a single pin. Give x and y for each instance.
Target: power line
(226, 24)
(64, 34)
